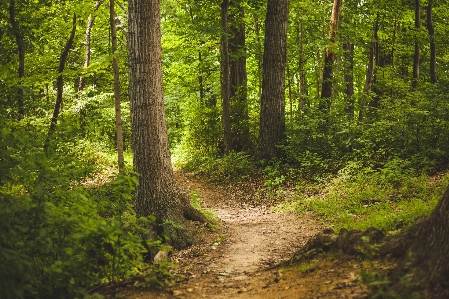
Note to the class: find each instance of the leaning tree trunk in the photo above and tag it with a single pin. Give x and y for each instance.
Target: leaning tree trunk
(430, 250)
(21, 54)
(326, 87)
(157, 194)
(416, 56)
(272, 107)
(60, 86)
(433, 51)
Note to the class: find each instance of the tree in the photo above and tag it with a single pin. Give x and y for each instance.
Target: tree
(157, 193)
(21, 54)
(225, 79)
(329, 58)
(433, 51)
(416, 56)
(272, 106)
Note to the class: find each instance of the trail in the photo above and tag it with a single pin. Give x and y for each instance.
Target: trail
(237, 260)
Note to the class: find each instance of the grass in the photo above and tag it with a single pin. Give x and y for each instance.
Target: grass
(368, 199)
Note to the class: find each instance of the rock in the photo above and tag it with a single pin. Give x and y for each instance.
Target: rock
(161, 256)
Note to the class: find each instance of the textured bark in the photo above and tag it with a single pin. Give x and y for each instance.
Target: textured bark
(369, 69)
(416, 56)
(348, 49)
(225, 79)
(430, 249)
(90, 23)
(433, 51)
(118, 113)
(60, 85)
(157, 193)
(272, 110)
(326, 88)
(238, 79)
(21, 55)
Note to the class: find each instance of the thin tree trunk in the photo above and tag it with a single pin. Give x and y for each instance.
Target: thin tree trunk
(326, 91)
(302, 74)
(90, 23)
(225, 80)
(157, 193)
(272, 110)
(118, 113)
(238, 80)
(369, 70)
(258, 56)
(60, 86)
(21, 55)
(433, 54)
(416, 57)
(348, 49)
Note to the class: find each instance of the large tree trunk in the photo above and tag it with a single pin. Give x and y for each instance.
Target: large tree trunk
(225, 79)
(326, 91)
(21, 54)
(272, 110)
(60, 86)
(433, 51)
(90, 23)
(416, 56)
(430, 249)
(157, 193)
(118, 113)
(238, 79)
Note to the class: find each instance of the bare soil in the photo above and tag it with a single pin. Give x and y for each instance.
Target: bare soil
(241, 259)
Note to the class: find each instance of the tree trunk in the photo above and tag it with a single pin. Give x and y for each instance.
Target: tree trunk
(348, 49)
(157, 193)
(225, 79)
(302, 73)
(430, 250)
(90, 23)
(238, 80)
(416, 57)
(258, 56)
(326, 88)
(21, 54)
(272, 110)
(118, 113)
(433, 51)
(369, 70)
(60, 86)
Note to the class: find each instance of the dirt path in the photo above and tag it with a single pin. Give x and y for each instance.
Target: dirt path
(237, 260)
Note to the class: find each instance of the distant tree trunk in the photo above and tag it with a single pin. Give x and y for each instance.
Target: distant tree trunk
(302, 74)
(21, 54)
(90, 23)
(157, 193)
(225, 79)
(433, 51)
(416, 57)
(272, 110)
(238, 80)
(118, 113)
(369, 69)
(326, 91)
(348, 49)
(60, 86)
(258, 56)
(430, 250)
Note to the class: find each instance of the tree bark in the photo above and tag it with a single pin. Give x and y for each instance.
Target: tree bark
(238, 79)
(326, 91)
(303, 92)
(118, 113)
(21, 55)
(225, 79)
(157, 193)
(272, 110)
(433, 51)
(60, 86)
(90, 23)
(430, 249)
(348, 49)
(416, 56)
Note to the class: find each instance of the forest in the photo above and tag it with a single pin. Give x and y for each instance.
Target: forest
(333, 112)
